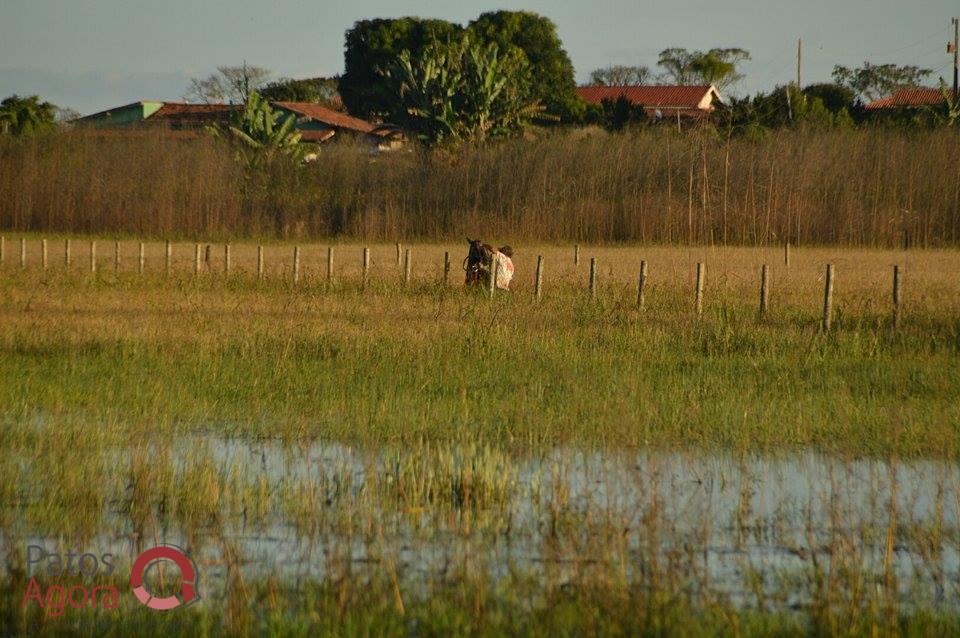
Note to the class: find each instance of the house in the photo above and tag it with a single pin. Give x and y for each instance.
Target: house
(121, 116)
(317, 123)
(689, 102)
(908, 99)
(175, 116)
(314, 122)
(387, 137)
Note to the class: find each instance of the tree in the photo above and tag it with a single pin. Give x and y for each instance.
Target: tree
(232, 84)
(372, 46)
(552, 76)
(620, 75)
(677, 65)
(496, 96)
(873, 81)
(948, 113)
(67, 116)
(620, 113)
(260, 139)
(316, 90)
(462, 90)
(785, 105)
(26, 115)
(718, 66)
(835, 97)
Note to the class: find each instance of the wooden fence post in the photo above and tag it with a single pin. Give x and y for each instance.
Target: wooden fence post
(259, 262)
(196, 258)
(593, 277)
(492, 278)
(406, 267)
(576, 254)
(169, 257)
(398, 253)
(538, 282)
(701, 276)
(66, 253)
(764, 290)
(116, 257)
(896, 297)
(23, 252)
(828, 299)
(786, 254)
(226, 259)
(93, 257)
(43, 253)
(296, 264)
(366, 266)
(142, 259)
(3, 248)
(446, 268)
(329, 265)
(642, 285)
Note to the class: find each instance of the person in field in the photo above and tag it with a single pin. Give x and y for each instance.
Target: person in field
(482, 257)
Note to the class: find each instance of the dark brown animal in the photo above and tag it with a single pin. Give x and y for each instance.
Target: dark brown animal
(477, 263)
(479, 260)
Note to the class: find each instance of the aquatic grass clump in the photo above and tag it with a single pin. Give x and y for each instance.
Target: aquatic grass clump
(464, 476)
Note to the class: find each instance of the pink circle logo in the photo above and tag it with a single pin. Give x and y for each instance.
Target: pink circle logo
(188, 578)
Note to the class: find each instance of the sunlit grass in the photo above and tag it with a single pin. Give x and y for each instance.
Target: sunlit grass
(448, 501)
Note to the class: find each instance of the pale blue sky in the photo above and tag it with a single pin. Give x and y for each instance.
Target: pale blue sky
(93, 54)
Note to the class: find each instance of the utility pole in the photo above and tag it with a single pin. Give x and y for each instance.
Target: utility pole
(955, 49)
(799, 54)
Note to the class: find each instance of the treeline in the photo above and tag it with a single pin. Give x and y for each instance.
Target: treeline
(872, 187)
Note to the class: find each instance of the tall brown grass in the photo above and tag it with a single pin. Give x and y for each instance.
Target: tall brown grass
(859, 187)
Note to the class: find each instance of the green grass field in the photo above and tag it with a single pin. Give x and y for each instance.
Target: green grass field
(118, 387)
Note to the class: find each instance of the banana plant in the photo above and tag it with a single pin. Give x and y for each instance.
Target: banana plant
(259, 137)
(461, 90)
(425, 90)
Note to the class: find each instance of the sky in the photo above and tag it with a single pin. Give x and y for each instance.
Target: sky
(90, 55)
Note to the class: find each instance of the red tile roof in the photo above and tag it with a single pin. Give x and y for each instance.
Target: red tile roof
(326, 116)
(908, 98)
(179, 115)
(662, 97)
(179, 108)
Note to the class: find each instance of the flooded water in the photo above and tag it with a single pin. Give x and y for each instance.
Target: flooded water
(735, 524)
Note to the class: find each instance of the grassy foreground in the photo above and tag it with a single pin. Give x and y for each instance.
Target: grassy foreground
(457, 502)
(394, 364)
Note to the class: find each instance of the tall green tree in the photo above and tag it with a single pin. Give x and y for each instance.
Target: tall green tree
(26, 115)
(553, 82)
(315, 90)
(372, 46)
(873, 81)
(462, 90)
(719, 66)
(835, 97)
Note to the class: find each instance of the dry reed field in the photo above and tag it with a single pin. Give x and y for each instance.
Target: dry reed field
(871, 187)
